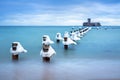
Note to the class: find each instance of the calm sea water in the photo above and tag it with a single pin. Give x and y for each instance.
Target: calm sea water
(95, 57)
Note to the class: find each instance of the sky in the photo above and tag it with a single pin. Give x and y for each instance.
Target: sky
(59, 12)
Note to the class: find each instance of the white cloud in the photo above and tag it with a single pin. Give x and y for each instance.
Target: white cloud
(69, 15)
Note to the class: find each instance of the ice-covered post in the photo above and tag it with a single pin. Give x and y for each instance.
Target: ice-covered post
(67, 41)
(16, 49)
(47, 51)
(58, 37)
(65, 45)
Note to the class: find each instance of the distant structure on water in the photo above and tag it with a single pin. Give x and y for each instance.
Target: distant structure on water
(89, 23)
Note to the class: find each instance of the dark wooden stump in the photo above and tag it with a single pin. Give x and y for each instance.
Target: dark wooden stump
(65, 46)
(15, 57)
(46, 59)
(58, 41)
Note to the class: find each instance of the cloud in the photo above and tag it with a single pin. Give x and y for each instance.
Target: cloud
(107, 14)
(41, 19)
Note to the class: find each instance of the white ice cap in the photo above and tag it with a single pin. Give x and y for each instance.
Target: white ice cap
(47, 40)
(66, 34)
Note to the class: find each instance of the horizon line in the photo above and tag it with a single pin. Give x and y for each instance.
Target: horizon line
(56, 25)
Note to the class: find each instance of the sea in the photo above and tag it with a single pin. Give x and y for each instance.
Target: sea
(95, 57)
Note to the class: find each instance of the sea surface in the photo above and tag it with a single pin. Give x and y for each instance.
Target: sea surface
(95, 57)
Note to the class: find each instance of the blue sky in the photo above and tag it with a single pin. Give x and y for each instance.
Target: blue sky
(59, 12)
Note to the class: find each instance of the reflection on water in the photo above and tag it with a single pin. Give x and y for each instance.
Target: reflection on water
(68, 70)
(47, 72)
